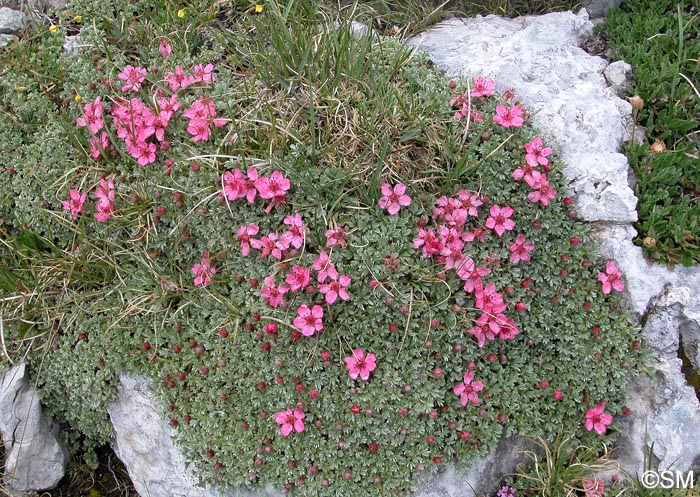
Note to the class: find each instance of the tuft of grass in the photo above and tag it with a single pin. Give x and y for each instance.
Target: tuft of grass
(661, 40)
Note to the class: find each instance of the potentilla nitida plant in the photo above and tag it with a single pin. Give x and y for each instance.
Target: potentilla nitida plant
(346, 346)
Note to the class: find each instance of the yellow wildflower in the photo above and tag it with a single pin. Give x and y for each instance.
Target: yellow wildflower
(78, 98)
(258, 8)
(78, 19)
(53, 28)
(181, 13)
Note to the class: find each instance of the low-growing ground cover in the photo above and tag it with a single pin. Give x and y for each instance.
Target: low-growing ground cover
(340, 269)
(660, 40)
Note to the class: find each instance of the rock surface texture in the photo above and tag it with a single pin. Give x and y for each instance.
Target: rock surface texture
(572, 97)
(34, 458)
(146, 446)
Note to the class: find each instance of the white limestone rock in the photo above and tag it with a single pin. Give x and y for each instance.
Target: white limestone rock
(34, 458)
(665, 420)
(145, 443)
(563, 89)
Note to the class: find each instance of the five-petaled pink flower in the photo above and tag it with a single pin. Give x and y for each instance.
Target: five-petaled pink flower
(309, 321)
(508, 117)
(482, 87)
(360, 364)
(335, 237)
(467, 390)
(335, 288)
(324, 267)
(274, 186)
(394, 198)
(520, 250)
(299, 278)
(611, 279)
(203, 271)
(133, 77)
(75, 203)
(290, 421)
(500, 221)
(244, 234)
(273, 294)
(597, 420)
(536, 155)
(92, 116)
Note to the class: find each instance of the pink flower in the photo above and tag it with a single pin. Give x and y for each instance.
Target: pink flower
(324, 267)
(360, 364)
(178, 79)
(525, 172)
(611, 279)
(467, 390)
(482, 88)
(299, 278)
(244, 234)
(484, 329)
(471, 274)
(394, 199)
(238, 186)
(290, 421)
(75, 203)
(203, 271)
(164, 48)
(203, 73)
(270, 245)
(520, 250)
(508, 117)
(335, 237)
(489, 300)
(309, 321)
(597, 420)
(594, 488)
(133, 77)
(429, 243)
(92, 116)
(168, 107)
(273, 294)
(470, 201)
(500, 221)
(336, 288)
(273, 187)
(105, 200)
(98, 144)
(536, 154)
(295, 233)
(543, 192)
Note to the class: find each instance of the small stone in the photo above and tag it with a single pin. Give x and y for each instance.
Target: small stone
(11, 21)
(36, 460)
(618, 74)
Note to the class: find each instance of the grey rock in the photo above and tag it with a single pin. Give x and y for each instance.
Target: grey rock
(38, 5)
(665, 420)
(618, 74)
(145, 443)
(599, 8)
(483, 476)
(34, 458)
(11, 21)
(562, 87)
(6, 39)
